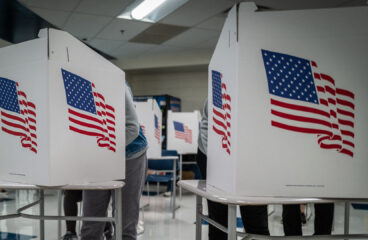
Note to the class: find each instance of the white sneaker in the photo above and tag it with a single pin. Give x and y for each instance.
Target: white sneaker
(167, 194)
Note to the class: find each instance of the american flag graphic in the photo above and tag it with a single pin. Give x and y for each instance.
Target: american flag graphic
(89, 114)
(157, 129)
(143, 130)
(221, 110)
(183, 132)
(18, 114)
(307, 101)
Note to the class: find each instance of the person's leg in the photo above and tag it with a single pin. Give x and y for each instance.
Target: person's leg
(291, 220)
(324, 218)
(71, 198)
(303, 210)
(95, 204)
(255, 219)
(202, 164)
(131, 195)
(218, 213)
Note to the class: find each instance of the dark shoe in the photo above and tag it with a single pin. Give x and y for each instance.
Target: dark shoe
(70, 236)
(109, 231)
(303, 218)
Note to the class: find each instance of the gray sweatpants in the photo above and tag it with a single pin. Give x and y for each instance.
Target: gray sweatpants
(95, 203)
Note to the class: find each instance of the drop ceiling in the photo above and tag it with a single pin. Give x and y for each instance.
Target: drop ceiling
(95, 22)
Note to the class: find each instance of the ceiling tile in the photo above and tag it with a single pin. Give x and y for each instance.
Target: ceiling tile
(131, 29)
(65, 5)
(57, 18)
(106, 46)
(214, 23)
(162, 49)
(208, 44)
(85, 26)
(132, 50)
(110, 8)
(192, 37)
(195, 12)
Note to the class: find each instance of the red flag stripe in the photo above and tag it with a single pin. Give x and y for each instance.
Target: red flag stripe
(88, 133)
(346, 122)
(300, 129)
(334, 137)
(11, 132)
(300, 118)
(327, 78)
(71, 111)
(110, 108)
(347, 133)
(4, 114)
(345, 93)
(330, 146)
(348, 143)
(347, 152)
(299, 108)
(14, 125)
(84, 124)
(346, 113)
(345, 103)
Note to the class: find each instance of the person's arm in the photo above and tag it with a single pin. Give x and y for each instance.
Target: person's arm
(204, 126)
(131, 118)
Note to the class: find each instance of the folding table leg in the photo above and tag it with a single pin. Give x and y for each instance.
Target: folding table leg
(118, 215)
(347, 218)
(59, 212)
(231, 222)
(199, 210)
(42, 214)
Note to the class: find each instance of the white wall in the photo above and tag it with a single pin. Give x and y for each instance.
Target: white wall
(189, 84)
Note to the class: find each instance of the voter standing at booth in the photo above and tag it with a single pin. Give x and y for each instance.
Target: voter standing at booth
(95, 203)
(323, 220)
(255, 218)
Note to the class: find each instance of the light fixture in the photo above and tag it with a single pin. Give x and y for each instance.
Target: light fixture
(145, 8)
(150, 10)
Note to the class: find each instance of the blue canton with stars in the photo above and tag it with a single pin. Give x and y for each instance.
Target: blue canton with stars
(289, 77)
(78, 92)
(216, 89)
(178, 126)
(8, 95)
(156, 121)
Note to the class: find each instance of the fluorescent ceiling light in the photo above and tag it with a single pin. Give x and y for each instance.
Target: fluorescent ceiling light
(145, 8)
(150, 10)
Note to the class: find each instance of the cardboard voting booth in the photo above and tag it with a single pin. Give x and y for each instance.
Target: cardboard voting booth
(150, 120)
(62, 113)
(288, 103)
(182, 131)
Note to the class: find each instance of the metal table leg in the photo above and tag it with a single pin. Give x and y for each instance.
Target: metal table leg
(42, 213)
(59, 213)
(118, 215)
(174, 191)
(181, 174)
(199, 210)
(347, 218)
(231, 222)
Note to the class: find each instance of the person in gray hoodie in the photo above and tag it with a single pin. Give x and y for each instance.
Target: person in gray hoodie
(95, 203)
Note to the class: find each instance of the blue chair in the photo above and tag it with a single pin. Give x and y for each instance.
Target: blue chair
(170, 168)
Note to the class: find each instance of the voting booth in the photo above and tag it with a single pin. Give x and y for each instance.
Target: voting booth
(287, 103)
(182, 131)
(62, 113)
(150, 120)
